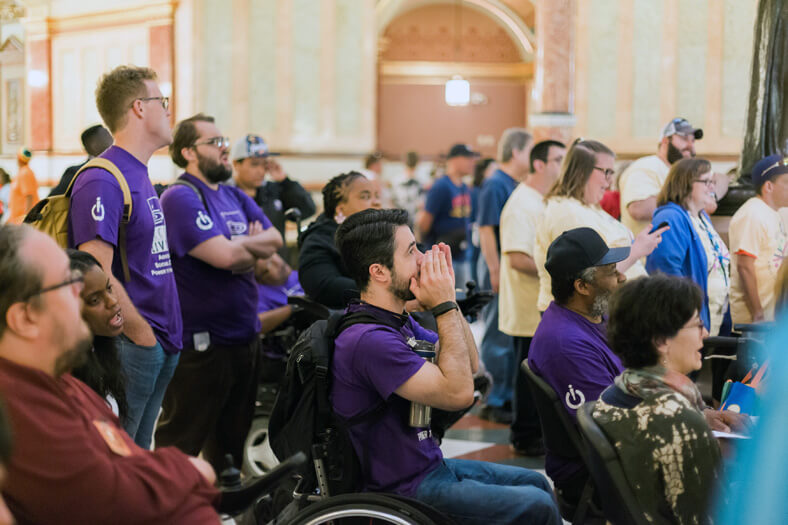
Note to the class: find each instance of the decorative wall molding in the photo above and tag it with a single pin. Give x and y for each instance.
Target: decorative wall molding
(153, 15)
(421, 69)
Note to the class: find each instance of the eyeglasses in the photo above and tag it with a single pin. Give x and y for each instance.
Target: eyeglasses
(697, 326)
(165, 101)
(219, 142)
(75, 277)
(708, 182)
(608, 172)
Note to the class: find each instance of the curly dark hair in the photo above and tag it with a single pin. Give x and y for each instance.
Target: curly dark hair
(646, 311)
(335, 191)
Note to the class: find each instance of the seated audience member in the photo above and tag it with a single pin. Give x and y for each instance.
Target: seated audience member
(448, 207)
(101, 311)
(569, 349)
(320, 269)
(376, 364)
(693, 248)
(654, 414)
(252, 161)
(573, 202)
(276, 281)
(759, 242)
(72, 460)
(96, 139)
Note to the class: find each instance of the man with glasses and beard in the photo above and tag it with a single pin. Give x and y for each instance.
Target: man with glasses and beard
(217, 234)
(72, 462)
(569, 349)
(642, 181)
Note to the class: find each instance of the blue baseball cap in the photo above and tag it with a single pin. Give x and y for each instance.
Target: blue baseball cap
(767, 168)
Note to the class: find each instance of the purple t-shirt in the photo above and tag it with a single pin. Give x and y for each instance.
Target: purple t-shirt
(96, 212)
(370, 363)
(571, 354)
(220, 302)
(271, 296)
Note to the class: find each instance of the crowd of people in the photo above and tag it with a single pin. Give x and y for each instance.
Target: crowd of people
(138, 349)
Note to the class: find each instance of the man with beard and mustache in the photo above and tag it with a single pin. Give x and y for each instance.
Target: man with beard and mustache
(217, 235)
(376, 370)
(569, 349)
(642, 181)
(72, 462)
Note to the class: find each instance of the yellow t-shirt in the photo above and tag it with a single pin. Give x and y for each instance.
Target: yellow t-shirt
(517, 312)
(566, 213)
(758, 230)
(719, 271)
(642, 179)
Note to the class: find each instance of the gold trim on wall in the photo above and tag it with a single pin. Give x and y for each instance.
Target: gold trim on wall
(431, 69)
(158, 14)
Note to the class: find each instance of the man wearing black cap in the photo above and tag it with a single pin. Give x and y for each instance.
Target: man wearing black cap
(448, 207)
(569, 349)
(759, 243)
(642, 181)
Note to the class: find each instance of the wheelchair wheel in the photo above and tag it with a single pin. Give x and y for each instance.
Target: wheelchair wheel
(352, 509)
(258, 456)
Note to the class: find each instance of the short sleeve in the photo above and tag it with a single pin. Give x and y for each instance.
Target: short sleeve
(747, 234)
(422, 333)
(392, 365)
(518, 229)
(491, 200)
(188, 223)
(96, 208)
(437, 199)
(252, 211)
(640, 184)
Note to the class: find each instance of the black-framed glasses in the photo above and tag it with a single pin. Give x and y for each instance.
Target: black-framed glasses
(708, 182)
(165, 101)
(608, 172)
(219, 142)
(75, 277)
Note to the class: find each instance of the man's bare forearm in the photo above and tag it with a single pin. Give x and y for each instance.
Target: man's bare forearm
(749, 283)
(470, 343)
(135, 326)
(453, 358)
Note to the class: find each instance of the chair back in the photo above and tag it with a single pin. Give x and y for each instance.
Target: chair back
(618, 500)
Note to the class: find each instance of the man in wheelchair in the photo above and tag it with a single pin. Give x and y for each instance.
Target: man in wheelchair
(376, 370)
(72, 462)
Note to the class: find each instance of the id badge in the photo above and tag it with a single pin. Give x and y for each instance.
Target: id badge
(202, 341)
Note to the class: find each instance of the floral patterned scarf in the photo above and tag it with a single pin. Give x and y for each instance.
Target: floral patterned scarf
(654, 380)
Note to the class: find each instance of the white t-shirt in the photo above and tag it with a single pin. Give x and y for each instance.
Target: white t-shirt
(642, 179)
(566, 213)
(719, 271)
(517, 312)
(756, 230)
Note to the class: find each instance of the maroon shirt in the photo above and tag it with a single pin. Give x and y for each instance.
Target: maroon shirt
(63, 469)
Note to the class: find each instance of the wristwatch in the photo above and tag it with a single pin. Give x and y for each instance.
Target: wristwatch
(442, 308)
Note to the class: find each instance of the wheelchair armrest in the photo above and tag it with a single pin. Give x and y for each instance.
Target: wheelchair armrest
(238, 499)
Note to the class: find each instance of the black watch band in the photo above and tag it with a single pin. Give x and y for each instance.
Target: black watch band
(442, 308)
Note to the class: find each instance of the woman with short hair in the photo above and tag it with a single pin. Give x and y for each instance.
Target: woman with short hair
(573, 202)
(693, 248)
(653, 414)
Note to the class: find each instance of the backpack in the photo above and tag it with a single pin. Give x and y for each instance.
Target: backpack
(302, 419)
(50, 215)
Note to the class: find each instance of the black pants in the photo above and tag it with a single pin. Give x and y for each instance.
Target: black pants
(209, 404)
(525, 426)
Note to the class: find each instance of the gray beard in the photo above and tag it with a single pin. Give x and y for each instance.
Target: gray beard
(599, 306)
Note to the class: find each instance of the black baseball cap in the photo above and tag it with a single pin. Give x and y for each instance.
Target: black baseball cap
(575, 250)
(462, 150)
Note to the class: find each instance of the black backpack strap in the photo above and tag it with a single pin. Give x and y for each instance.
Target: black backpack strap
(181, 181)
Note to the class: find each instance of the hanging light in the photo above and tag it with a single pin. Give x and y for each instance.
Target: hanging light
(458, 91)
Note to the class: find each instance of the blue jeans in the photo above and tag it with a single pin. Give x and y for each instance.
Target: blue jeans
(497, 348)
(148, 371)
(462, 274)
(478, 492)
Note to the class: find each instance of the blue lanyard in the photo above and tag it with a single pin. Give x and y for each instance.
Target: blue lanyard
(716, 246)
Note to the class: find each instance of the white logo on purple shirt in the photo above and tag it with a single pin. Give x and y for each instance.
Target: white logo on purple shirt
(155, 210)
(574, 398)
(235, 223)
(203, 221)
(97, 211)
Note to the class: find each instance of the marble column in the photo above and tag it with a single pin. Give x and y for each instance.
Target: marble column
(553, 91)
(39, 87)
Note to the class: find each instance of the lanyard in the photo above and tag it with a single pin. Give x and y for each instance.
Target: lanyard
(716, 247)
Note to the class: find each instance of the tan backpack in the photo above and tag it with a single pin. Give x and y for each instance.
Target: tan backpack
(50, 215)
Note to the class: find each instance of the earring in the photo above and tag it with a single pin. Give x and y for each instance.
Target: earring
(339, 218)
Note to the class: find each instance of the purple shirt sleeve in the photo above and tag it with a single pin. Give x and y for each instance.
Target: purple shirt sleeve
(387, 371)
(188, 223)
(96, 207)
(251, 209)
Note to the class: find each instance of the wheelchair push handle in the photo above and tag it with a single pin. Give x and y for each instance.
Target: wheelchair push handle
(236, 499)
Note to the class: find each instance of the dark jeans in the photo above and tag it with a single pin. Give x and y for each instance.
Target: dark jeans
(525, 426)
(209, 405)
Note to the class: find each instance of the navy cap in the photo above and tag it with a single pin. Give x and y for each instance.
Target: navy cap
(767, 168)
(680, 126)
(462, 150)
(575, 250)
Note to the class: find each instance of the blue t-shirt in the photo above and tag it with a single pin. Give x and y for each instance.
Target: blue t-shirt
(370, 363)
(450, 207)
(95, 213)
(571, 354)
(494, 194)
(221, 302)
